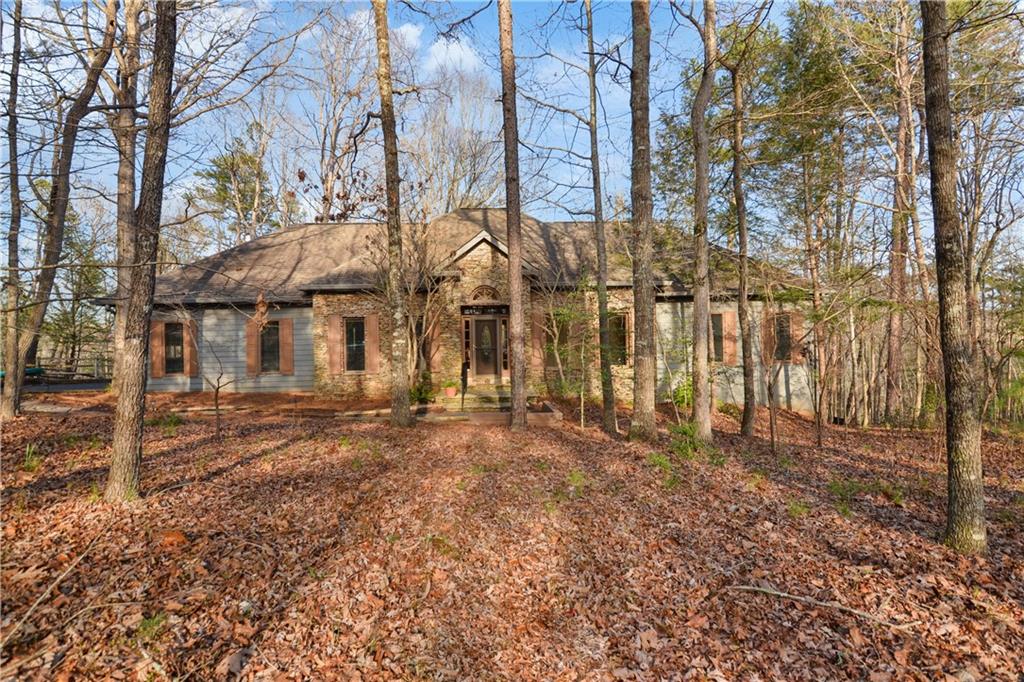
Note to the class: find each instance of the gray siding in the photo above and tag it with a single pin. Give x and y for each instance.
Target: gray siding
(178, 382)
(794, 386)
(222, 349)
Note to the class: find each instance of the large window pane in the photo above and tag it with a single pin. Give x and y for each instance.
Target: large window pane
(270, 347)
(504, 343)
(174, 348)
(617, 338)
(716, 338)
(783, 338)
(355, 344)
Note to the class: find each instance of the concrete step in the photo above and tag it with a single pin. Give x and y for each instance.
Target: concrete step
(481, 398)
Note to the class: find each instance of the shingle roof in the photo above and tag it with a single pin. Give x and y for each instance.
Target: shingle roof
(276, 265)
(288, 265)
(551, 250)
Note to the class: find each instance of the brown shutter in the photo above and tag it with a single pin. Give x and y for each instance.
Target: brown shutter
(796, 332)
(156, 349)
(252, 347)
(729, 338)
(434, 347)
(768, 337)
(286, 346)
(372, 340)
(191, 342)
(334, 344)
(537, 337)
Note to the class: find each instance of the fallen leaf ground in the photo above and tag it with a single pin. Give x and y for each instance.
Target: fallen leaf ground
(317, 549)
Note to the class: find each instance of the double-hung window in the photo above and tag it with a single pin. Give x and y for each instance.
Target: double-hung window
(270, 347)
(174, 348)
(355, 344)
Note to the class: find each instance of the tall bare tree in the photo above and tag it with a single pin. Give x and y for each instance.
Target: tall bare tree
(56, 204)
(453, 153)
(400, 415)
(902, 195)
(513, 212)
(642, 426)
(965, 513)
(123, 123)
(746, 332)
(701, 277)
(608, 421)
(340, 97)
(10, 402)
(735, 65)
(549, 102)
(126, 460)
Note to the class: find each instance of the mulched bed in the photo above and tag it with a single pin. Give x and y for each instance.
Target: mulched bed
(299, 548)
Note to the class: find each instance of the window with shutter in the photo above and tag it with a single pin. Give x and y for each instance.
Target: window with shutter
(618, 338)
(355, 344)
(270, 347)
(174, 348)
(717, 338)
(783, 337)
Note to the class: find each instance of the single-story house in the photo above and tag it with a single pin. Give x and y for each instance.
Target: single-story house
(302, 309)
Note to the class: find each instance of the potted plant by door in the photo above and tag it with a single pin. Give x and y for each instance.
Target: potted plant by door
(450, 388)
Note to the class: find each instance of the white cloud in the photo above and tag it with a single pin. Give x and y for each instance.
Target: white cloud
(452, 55)
(411, 36)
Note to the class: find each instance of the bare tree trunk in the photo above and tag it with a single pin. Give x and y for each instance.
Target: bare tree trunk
(52, 242)
(852, 400)
(812, 245)
(820, 361)
(643, 425)
(608, 421)
(11, 401)
(965, 514)
(746, 332)
(773, 406)
(515, 241)
(126, 137)
(126, 460)
(900, 217)
(400, 415)
(701, 277)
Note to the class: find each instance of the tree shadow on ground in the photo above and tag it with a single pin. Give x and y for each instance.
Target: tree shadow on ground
(330, 550)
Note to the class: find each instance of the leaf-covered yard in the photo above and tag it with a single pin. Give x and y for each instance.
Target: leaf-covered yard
(311, 548)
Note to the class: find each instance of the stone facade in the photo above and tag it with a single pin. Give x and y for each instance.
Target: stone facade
(354, 385)
(480, 280)
(620, 300)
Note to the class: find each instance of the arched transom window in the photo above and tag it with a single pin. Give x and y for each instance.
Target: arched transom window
(484, 293)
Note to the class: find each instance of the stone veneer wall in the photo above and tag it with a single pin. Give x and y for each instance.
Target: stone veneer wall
(619, 300)
(350, 384)
(485, 266)
(482, 266)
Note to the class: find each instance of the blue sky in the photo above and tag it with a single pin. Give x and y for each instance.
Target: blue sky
(536, 32)
(474, 47)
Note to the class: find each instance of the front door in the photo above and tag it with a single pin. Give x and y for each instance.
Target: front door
(485, 333)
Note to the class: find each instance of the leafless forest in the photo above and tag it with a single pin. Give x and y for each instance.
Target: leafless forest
(863, 161)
